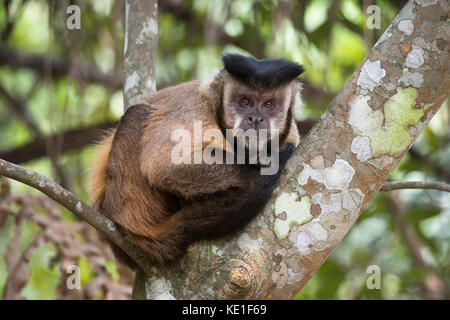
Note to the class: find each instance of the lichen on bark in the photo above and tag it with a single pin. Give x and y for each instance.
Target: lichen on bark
(140, 49)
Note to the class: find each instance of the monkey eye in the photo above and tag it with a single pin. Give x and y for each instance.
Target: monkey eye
(268, 104)
(244, 102)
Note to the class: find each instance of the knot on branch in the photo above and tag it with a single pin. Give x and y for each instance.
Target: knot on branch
(240, 277)
(239, 280)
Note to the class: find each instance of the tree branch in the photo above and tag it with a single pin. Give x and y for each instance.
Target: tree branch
(70, 140)
(389, 186)
(141, 49)
(58, 67)
(11, 20)
(19, 107)
(434, 287)
(76, 206)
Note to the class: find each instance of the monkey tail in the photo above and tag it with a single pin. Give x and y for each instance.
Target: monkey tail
(159, 252)
(99, 169)
(98, 185)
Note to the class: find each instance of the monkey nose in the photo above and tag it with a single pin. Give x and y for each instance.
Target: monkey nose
(255, 120)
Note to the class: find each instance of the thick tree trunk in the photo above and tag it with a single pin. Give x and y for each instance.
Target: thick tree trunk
(334, 173)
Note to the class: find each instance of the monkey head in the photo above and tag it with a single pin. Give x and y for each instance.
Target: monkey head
(259, 95)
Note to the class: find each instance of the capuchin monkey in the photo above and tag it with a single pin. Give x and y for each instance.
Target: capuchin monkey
(163, 205)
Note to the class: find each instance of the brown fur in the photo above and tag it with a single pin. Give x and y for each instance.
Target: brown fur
(163, 207)
(99, 167)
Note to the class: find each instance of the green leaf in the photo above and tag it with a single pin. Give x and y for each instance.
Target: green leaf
(86, 270)
(44, 278)
(112, 270)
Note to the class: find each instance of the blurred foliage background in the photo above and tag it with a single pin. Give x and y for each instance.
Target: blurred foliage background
(60, 88)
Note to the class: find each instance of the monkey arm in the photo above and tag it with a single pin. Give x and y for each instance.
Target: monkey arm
(193, 181)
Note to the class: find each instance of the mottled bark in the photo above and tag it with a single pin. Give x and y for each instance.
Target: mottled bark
(335, 172)
(140, 49)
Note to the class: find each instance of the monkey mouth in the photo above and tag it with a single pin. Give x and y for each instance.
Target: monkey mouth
(255, 126)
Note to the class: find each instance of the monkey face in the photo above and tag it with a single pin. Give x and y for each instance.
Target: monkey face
(252, 109)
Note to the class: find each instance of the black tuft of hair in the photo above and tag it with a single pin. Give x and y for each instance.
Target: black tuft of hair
(264, 74)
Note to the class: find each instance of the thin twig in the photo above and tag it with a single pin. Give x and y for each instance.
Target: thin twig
(59, 67)
(389, 186)
(18, 106)
(72, 139)
(434, 286)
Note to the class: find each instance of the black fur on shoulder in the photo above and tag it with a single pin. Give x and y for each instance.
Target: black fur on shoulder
(264, 74)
